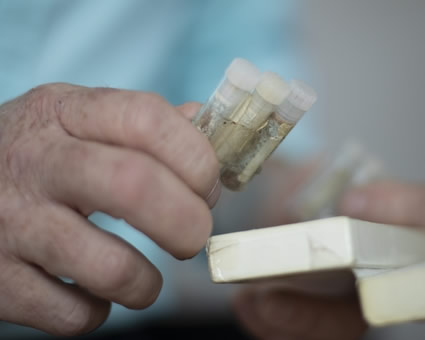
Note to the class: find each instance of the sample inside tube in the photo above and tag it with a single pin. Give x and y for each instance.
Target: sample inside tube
(239, 81)
(245, 122)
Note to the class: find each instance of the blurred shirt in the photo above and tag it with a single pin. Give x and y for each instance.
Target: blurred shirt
(178, 49)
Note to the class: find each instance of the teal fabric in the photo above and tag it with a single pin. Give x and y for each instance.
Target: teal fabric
(176, 48)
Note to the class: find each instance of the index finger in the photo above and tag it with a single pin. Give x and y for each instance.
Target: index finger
(142, 121)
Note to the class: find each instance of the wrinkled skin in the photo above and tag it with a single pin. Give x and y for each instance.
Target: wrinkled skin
(272, 312)
(66, 151)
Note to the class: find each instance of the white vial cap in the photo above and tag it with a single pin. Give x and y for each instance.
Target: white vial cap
(243, 74)
(301, 96)
(272, 88)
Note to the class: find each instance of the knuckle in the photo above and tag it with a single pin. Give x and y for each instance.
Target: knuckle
(43, 88)
(41, 91)
(40, 99)
(22, 143)
(144, 115)
(46, 101)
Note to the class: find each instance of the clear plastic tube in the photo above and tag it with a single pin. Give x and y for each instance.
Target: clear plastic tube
(242, 125)
(240, 79)
(268, 137)
(320, 196)
(246, 118)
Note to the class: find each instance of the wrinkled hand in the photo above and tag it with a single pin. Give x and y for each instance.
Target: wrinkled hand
(278, 313)
(67, 151)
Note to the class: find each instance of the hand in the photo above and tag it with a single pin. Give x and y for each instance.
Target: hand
(280, 313)
(67, 151)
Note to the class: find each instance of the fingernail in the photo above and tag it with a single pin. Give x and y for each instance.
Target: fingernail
(354, 203)
(214, 194)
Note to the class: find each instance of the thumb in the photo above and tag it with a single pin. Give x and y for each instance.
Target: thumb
(189, 109)
(388, 202)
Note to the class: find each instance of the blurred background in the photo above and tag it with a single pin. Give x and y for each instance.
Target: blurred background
(364, 58)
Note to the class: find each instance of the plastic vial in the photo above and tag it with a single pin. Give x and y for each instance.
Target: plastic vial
(266, 139)
(234, 132)
(320, 196)
(239, 81)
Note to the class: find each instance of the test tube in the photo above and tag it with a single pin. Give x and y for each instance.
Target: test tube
(239, 81)
(320, 196)
(268, 137)
(236, 131)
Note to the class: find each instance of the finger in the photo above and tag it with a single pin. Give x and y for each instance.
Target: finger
(37, 300)
(143, 121)
(189, 109)
(65, 244)
(311, 317)
(245, 306)
(387, 202)
(131, 185)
